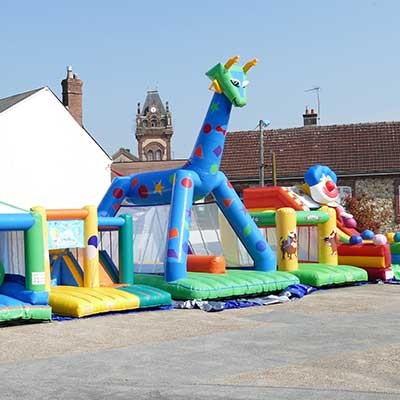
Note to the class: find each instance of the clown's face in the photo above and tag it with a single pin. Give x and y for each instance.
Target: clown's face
(325, 192)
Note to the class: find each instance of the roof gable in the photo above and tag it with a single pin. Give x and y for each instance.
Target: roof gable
(59, 163)
(10, 101)
(124, 155)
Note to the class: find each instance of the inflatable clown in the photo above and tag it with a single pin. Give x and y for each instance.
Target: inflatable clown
(320, 183)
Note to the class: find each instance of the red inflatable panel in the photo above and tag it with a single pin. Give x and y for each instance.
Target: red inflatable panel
(379, 273)
(361, 250)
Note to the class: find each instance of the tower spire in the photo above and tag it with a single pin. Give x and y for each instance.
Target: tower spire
(153, 128)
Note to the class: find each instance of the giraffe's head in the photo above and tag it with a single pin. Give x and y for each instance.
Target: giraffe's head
(231, 80)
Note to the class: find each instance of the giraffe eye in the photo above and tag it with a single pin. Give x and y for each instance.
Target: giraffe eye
(235, 82)
(245, 83)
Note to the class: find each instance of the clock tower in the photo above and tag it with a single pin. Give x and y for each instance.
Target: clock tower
(153, 129)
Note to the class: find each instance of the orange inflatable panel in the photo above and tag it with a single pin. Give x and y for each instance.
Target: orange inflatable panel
(271, 197)
(210, 264)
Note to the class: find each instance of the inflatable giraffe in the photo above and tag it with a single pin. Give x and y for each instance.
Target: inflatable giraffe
(197, 178)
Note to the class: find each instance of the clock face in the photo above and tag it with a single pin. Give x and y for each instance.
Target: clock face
(153, 109)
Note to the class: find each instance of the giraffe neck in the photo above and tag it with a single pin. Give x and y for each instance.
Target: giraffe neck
(207, 153)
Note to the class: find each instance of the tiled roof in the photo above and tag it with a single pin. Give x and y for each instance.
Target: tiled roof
(8, 102)
(129, 168)
(365, 148)
(124, 154)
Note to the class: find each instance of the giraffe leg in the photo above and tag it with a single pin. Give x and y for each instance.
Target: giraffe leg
(244, 226)
(179, 225)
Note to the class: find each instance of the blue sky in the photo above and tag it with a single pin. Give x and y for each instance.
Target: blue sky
(120, 49)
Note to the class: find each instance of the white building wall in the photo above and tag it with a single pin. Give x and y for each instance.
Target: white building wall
(47, 159)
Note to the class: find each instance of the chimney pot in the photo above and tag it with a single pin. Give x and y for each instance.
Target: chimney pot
(69, 72)
(310, 118)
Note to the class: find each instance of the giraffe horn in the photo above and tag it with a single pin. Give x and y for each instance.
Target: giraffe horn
(231, 61)
(250, 64)
(215, 86)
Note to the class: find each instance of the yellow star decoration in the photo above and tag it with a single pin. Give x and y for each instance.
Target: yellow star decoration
(158, 188)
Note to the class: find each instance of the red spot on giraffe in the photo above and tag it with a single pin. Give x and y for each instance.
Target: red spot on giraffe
(143, 191)
(227, 202)
(187, 183)
(199, 152)
(207, 128)
(134, 182)
(229, 185)
(220, 129)
(173, 233)
(118, 193)
(116, 207)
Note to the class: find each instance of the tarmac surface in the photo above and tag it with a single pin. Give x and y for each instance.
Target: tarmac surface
(340, 343)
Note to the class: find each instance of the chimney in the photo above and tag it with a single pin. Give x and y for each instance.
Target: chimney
(72, 95)
(310, 118)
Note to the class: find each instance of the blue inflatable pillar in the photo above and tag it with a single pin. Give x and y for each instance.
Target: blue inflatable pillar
(179, 225)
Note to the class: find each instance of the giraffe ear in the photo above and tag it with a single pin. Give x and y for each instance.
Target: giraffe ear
(215, 86)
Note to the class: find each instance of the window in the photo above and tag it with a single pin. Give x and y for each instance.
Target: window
(150, 155)
(158, 155)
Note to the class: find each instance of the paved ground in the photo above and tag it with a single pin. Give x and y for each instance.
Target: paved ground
(334, 344)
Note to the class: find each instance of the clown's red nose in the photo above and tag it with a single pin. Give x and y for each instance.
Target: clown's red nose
(330, 185)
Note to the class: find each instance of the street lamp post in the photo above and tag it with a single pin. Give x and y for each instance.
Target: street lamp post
(274, 180)
(262, 125)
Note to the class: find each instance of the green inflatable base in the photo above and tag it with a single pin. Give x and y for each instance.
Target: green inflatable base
(323, 275)
(149, 296)
(25, 313)
(204, 286)
(396, 271)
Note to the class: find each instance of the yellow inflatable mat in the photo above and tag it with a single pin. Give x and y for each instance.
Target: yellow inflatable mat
(79, 302)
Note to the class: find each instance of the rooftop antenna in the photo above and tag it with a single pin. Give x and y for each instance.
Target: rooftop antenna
(316, 89)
